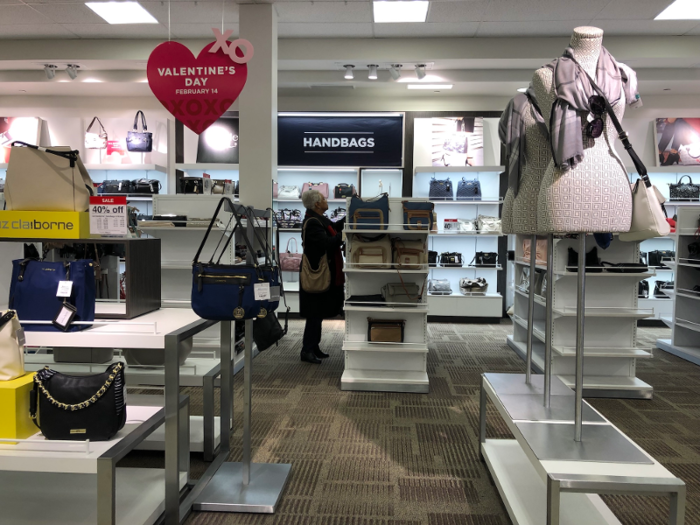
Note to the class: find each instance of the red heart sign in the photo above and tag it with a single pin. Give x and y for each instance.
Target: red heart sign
(196, 91)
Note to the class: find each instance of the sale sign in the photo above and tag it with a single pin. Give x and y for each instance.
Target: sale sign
(198, 90)
(108, 216)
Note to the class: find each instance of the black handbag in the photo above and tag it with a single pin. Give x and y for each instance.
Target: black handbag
(343, 190)
(660, 287)
(150, 186)
(450, 259)
(592, 261)
(624, 267)
(440, 190)
(682, 191)
(267, 331)
(79, 407)
(694, 250)
(432, 258)
(377, 300)
(656, 257)
(139, 141)
(191, 185)
(643, 289)
(235, 190)
(487, 259)
(110, 187)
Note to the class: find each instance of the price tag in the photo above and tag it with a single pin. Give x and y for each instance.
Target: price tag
(274, 293)
(64, 288)
(262, 291)
(108, 216)
(65, 316)
(21, 340)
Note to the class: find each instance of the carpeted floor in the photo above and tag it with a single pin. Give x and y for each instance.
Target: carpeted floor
(411, 459)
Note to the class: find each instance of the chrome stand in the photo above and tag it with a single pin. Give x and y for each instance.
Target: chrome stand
(548, 322)
(580, 321)
(531, 308)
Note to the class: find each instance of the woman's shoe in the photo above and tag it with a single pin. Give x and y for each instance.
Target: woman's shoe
(309, 357)
(320, 354)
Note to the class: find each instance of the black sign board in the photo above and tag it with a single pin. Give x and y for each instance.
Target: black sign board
(318, 140)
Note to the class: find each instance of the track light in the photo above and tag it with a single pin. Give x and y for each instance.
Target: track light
(372, 71)
(72, 71)
(420, 71)
(50, 71)
(395, 71)
(349, 75)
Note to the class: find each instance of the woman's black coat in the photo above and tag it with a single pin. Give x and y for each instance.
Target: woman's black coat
(317, 240)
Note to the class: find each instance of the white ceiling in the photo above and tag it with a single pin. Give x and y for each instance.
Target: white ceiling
(347, 19)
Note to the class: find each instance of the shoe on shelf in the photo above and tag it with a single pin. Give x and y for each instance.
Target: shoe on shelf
(309, 357)
(320, 354)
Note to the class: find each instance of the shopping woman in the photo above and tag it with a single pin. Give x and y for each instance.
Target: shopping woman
(320, 237)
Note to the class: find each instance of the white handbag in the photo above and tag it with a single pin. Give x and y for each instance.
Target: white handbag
(288, 193)
(371, 253)
(466, 225)
(95, 140)
(11, 347)
(488, 224)
(648, 217)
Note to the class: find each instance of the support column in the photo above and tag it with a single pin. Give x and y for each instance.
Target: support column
(258, 106)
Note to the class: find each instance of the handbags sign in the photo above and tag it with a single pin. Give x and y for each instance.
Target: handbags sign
(314, 140)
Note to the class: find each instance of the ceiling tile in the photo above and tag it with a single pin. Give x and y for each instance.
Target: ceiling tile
(298, 30)
(188, 12)
(19, 31)
(632, 10)
(453, 12)
(522, 10)
(323, 12)
(69, 13)
(529, 28)
(200, 30)
(118, 31)
(426, 30)
(646, 27)
(21, 14)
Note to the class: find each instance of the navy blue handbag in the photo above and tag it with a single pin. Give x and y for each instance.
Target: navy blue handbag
(440, 190)
(35, 284)
(417, 215)
(226, 292)
(371, 214)
(469, 190)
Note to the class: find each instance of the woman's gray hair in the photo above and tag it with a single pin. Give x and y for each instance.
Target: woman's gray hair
(310, 197)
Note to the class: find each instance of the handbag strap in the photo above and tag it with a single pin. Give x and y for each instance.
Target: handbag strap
(136, 121)
(71, 155)
(92, 123)
(680, 181)
(296, 246)
(6, 318)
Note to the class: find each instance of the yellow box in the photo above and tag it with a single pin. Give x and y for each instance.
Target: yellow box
(15, 422)
(45, 224)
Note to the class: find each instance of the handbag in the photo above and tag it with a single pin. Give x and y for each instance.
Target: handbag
(34, 286)
(470, 286)
(643, 289)
(191, 185)
(343, 190)
(485, 259)
(404, 293)
(409, 255)
(221, 187)
(469, 190)
(321, 187)
(488, 224)
(376, 299)
(290, 262)
(440, 190)
(95, 140)
(694, 250)
(149, 186)
(450, 259)
(287, 219)
(288, 193)
(372, 214)
(385, 330)
(418, 215)
(656, 257)
(139, 141)
(79, 407)
(371, 252)
(624, 267)
(540, 251)
(46, 179)
(432, 258)
(682, 191)
(661, 287)
(226, 292)
(592, 261)
(110, 187)
(11, 347)
(268, 331)
(236, 190)
(439, 287)
(338, 214)
(314, 280)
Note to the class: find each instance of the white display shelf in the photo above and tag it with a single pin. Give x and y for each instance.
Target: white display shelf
(538, 266)
(570, 351)
(631, 313)
(291, 287)
(3, 165)
(689, 353)
(667, 169)
(419, 309)
(607, 275)
(156, 441)
(538, 328)
(458, 169)
(465, 234)
(392, 230)
(384, 381)
(129, 196)
(368, 346)
(632, 385)
(668, 321)
(688, 325)
(688, 294)
(487, 202)
(492, 268)
(127, 167)
(299, 200)
(207, 167)
(473, 295)
(350, 269)
(539, 300)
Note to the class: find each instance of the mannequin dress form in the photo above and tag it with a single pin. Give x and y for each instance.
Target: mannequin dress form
(593, 196)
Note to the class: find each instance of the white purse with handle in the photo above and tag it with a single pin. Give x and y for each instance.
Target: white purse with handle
(11, 347)
(288, 193)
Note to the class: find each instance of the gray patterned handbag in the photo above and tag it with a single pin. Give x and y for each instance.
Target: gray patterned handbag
(469, 190)
(440, 190)
(682, 191)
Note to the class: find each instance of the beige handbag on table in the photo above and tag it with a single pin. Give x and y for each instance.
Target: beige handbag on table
(314, 280)
(11, 347)
(46, 179)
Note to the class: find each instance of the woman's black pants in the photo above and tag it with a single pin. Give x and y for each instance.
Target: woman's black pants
(312, 334)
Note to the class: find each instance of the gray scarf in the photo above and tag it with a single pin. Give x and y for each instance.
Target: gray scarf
(573, 90)
(511, 131)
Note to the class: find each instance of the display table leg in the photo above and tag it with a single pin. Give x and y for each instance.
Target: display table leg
(106, 492)
(172, 431)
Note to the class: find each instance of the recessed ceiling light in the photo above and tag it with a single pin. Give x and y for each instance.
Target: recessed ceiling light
(349, 75)
(429, 86)
(522, 90)
(72, 71)
(122, 12)
(50, 71)
(372, 71)
(420, 71)
(391, 12)
(681, 10)
(395, 71)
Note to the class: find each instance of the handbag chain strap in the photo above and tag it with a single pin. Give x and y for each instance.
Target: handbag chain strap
(78, 406)
(136, 121)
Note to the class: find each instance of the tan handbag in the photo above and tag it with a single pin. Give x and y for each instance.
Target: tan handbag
(540, 253)
(11, 347)
(371, 252)
(385, 330)
(46, 179)
(314, 280)
(648, 217)
(409, 255)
